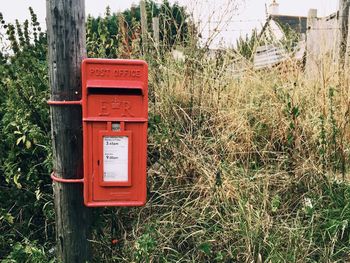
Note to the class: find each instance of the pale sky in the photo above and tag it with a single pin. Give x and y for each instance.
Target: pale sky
(239, 16)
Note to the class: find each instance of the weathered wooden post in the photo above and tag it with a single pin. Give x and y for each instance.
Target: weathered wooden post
(144, 26)
(66, 40)
(155, 27)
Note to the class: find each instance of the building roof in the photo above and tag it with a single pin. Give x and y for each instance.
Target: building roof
(297, 23)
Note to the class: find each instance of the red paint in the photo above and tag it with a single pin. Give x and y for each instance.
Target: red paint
(64, 102)
(114, 91)
(66, 181)
(115, 241)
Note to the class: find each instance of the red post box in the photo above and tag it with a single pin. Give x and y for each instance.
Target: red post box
(115, 115)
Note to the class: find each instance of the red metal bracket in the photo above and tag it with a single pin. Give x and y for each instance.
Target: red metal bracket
(67, 181)
(64, 102)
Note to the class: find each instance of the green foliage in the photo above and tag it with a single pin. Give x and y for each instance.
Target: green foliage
(246, 46)
(206, 248)
(144, 247)
(25, 151)
(330, 148)
(291, 37)
(119, 34)
(102, 36)
(26, 215)
(27, 253)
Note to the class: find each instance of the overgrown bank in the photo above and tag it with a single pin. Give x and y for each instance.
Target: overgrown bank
(241, 168)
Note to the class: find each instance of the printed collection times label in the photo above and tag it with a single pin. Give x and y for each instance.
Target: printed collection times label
(115, 158)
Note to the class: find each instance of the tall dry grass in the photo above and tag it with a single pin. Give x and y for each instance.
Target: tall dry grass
(242, 168)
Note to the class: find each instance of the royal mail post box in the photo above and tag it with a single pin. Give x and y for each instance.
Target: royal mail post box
(115, 114)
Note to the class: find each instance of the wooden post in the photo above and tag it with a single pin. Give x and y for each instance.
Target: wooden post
(66, 40)
(155, 28)
(124, 51)
(344, 7)
(144, 25)
(310, 63)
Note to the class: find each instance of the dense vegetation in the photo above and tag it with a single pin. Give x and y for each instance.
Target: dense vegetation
(26, 213)
(242, 168)
(119, 34)
(246, 45)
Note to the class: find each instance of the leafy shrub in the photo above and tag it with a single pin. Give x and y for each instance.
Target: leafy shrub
(25, 151)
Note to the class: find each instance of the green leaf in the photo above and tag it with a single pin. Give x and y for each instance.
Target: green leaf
(28, 144)
(20, 139)
(219, 257)
(206, 248)
(15, 180)
(275, 203)
(7, 217)
(295, 112)
(38, 194)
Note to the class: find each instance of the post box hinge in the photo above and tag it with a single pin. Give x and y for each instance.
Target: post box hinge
(64, 102)
(66, 181)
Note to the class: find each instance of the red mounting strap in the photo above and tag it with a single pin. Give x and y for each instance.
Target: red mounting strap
(53, 177)
(64, 102)
(68, 181)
